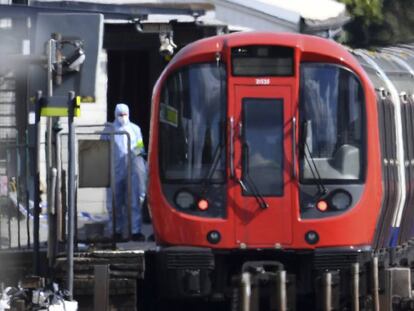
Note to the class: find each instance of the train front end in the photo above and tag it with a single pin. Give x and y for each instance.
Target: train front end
(263, 144)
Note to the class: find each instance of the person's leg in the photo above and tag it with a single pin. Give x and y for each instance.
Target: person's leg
(136, 206)
(120, 191)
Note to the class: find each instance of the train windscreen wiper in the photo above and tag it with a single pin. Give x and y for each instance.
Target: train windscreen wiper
(213, 167)
(250, 183)
(312, 165)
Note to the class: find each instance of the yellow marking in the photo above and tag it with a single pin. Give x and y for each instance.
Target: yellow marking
(58, 112)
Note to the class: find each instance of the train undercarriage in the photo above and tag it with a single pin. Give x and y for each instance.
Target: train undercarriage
(256, 280)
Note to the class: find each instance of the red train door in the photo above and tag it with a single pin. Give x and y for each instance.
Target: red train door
(263, 165)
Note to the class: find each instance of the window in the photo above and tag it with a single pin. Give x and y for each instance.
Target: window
(331, 105)
(263, 146)
(192, 124)
(262, 60)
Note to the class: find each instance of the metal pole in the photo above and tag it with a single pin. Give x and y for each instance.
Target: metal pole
(246, 285)
(101, 288)
(36, 199)
(58, 194)
(49, 162)
(75, 212)
(355, 287)
(129, 187)
(1, 220)
(71, 193)
(51, 245)
(281, 293)
(55, 153)
(18, 190)
(28, 217)
(113, 191)
(327, 290)
(50, 49)
(8, 190)
(375, 283)
(27, 151)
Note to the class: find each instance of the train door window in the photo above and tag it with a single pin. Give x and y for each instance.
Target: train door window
(331, 105)
(192, 124)
(263, 145)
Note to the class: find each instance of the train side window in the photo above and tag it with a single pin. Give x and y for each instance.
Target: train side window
(332, 132)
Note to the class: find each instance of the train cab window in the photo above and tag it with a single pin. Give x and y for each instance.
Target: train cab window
(192, 125)
(263, 146)
(331, 106)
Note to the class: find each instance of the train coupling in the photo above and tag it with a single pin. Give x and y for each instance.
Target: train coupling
(263, 285)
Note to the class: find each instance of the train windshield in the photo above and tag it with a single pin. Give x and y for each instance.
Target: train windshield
(192, 124)
(331, 106)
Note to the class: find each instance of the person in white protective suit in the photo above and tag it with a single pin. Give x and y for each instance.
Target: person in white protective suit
(138, 173)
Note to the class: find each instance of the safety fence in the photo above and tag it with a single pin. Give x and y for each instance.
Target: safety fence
(16, 216)
(95, 169)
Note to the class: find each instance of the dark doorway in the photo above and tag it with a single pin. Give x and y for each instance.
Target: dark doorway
(129, 82)
(134, 65)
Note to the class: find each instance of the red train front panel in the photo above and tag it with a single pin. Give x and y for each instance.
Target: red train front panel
(263, 140)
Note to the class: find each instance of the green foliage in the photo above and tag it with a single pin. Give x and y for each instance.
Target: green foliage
(379, 22)
(369, 10)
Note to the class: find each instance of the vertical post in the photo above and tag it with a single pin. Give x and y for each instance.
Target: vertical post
(327, 291)
(375, 283)
(355, 286)
(75, 211)
(1, 219)
(58, 194)
(246, 285)
(129, 186)
(101, 288)
(18, 189)
(27, 152)
(113, 190)
(71, 193)
(55, 152)
(281, 290)
(36, 199)
(9, 210)
(51, 245)
(50, 55)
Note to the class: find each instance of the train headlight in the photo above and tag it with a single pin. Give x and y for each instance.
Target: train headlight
(322, 206)
(184, 199)
(202, 204)
(340, 200)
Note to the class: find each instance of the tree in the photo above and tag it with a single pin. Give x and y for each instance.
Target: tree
(379, 22)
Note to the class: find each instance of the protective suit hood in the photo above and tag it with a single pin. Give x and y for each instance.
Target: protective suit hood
(121, 112)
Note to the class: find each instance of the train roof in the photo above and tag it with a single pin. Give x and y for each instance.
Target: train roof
(382, 65)
(390, 69)
(306, 43)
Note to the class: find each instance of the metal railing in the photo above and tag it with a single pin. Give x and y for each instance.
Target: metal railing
(15, 204)
(114, 208)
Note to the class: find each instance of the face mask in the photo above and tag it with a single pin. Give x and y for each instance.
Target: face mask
(122, 120)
